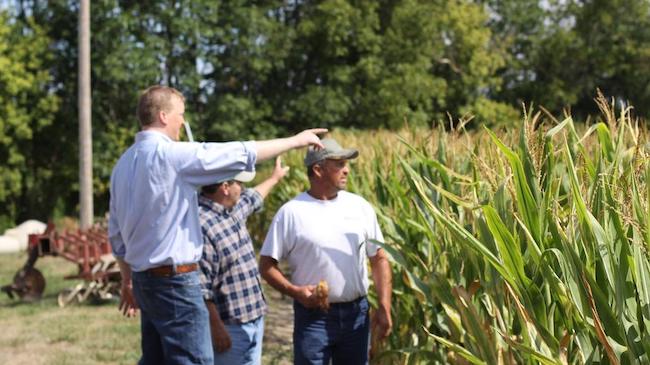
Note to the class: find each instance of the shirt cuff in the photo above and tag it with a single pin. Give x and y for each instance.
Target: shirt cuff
(207, 294)
(258, 201)
(251, 150)
(118, 249)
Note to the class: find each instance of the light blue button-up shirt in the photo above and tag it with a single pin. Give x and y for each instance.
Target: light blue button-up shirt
(154, 206)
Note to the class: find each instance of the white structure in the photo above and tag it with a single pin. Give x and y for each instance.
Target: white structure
(15, 239)
(9, 244)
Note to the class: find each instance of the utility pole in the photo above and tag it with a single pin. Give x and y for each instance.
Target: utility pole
(85, 135)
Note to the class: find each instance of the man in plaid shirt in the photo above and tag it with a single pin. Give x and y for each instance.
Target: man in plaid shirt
(229, 273)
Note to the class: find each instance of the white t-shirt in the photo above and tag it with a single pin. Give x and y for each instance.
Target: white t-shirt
(326, 240)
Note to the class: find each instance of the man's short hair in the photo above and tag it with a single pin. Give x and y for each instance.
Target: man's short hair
(210, 189)
(155, 99)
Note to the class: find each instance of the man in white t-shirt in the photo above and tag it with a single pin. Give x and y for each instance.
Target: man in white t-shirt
(325, 234)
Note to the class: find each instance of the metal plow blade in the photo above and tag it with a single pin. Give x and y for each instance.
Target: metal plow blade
(28, 285)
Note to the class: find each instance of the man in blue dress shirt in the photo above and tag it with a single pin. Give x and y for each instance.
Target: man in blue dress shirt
(154, 226)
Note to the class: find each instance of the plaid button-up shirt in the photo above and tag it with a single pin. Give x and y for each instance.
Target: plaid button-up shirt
(229, 273)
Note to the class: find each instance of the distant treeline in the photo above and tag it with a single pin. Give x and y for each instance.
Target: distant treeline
(255, 69)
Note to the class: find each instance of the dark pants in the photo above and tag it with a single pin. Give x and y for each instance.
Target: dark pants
(341, 334)
(174, 319)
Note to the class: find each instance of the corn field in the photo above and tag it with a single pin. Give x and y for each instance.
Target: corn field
(517, 247)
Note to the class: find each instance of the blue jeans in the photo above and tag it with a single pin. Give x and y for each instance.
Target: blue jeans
(173, 318)
(246, 339)
(341, 334)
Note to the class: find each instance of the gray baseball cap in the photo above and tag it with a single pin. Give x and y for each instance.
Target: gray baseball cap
(331, 150)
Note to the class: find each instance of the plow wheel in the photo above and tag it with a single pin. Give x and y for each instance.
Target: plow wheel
(73, 295)
(29, 284)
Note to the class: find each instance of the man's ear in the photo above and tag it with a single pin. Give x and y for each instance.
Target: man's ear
(162, 117)
(223, 188)
(318, 170)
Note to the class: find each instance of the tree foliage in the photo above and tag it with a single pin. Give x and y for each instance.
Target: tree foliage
(560, 52)
(26, 111)
(257, 69)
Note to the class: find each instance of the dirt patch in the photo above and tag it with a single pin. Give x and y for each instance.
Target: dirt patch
(278, 329)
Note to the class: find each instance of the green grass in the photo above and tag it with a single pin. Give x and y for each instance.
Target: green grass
(44, 333)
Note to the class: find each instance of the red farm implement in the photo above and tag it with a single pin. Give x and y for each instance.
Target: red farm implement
(88, 249)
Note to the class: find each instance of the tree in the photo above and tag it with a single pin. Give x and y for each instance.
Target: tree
(376, 64)
(255, 69)
(26, 110)
(614, 54)
(438, 58)
(561, 52)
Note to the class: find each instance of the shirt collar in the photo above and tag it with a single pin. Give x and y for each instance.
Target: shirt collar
(151, 134)
(212, 205)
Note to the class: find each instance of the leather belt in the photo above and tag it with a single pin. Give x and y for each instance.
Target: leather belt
(168, 270)
(352, 302)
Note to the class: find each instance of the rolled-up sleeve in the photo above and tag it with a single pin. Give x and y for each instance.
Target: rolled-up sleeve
(117, 243)
(114, 233)
(249, 202)
(209, 261)
(204, 163)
